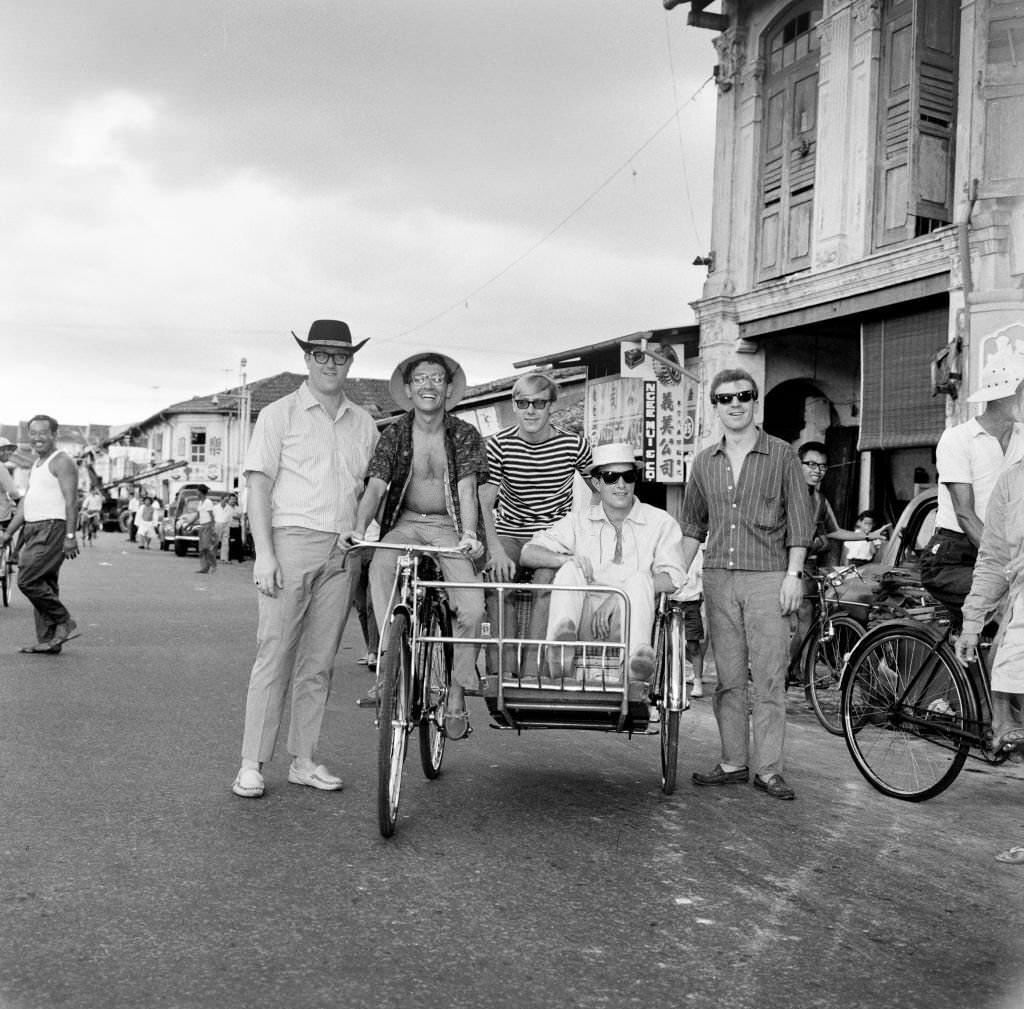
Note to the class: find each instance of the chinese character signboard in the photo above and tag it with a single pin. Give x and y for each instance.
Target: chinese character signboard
(651, 406)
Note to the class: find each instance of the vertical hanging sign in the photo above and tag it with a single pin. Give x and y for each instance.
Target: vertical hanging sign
(669, 410)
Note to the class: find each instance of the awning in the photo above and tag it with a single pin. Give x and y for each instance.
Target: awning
(681, 334)
(857, 304)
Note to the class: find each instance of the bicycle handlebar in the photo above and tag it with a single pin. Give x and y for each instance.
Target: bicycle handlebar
(410, 548)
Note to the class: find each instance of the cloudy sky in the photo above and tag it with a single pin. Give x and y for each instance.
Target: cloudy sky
(182, 184)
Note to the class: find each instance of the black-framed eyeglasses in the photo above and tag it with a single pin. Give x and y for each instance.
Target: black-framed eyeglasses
(537, 404)
(818, 467)
(611, 479)
(323, 356)
(725, 398)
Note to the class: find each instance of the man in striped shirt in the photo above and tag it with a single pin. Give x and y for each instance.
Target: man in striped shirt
(532, 469)
(747, 497)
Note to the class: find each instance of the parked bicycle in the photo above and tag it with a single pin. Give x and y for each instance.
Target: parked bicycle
(826, 646)
(912, 714)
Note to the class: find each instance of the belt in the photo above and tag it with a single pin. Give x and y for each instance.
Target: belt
(955, 533)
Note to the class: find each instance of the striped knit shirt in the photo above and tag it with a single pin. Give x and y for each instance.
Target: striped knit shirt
(534, 481)
(750, 522)
(316, 462)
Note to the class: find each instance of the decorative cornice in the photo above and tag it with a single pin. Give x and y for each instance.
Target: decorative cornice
(731, 46)
(867, 14)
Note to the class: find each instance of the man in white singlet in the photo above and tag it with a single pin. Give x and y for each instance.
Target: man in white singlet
(48, 518)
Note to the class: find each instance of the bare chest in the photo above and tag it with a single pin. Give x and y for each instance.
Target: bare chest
(428, 456)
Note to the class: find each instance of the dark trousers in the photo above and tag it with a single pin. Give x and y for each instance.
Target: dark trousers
(39, 563)
(947, 567)
(209, 544)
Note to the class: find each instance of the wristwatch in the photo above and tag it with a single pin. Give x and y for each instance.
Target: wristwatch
(794, 574)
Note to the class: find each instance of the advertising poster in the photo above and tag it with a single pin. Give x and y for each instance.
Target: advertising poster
(665, 429)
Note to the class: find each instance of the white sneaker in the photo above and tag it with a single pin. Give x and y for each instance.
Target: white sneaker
(696, 689)
(317, 777)
(248, 783)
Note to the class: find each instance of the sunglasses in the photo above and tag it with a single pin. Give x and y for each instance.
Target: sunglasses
(628, 477)
(725, 398)
(322, 357)
(537, 404)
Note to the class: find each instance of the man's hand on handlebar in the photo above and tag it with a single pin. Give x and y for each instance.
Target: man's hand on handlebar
(471, 546)
(966, 648)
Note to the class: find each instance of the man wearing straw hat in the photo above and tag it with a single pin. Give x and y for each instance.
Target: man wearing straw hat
(304, 470)
(426, 471)
(970, 457)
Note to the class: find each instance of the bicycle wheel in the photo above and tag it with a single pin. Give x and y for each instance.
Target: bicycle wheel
(823, 664)
(5, 574)
(393, 720)
(668, 651)
(434, 676)
(905, 704)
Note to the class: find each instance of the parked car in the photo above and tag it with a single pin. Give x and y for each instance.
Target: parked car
(186, 513)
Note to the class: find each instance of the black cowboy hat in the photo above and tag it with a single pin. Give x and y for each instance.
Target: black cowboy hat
(328, 334)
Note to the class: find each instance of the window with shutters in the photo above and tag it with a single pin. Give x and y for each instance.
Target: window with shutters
(917, 119)
(789, 142)
(197, 444)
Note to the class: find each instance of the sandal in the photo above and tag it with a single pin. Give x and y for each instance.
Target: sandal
(1012, 856)
(456, 724)
(1009, 741)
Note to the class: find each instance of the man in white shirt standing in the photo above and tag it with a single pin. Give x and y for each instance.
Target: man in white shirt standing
(48, 518)
(970, 457)
(305, 469)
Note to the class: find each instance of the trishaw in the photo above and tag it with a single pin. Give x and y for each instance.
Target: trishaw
(415, 665)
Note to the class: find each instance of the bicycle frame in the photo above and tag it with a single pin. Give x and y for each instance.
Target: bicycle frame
(976, 727)
(974, 732)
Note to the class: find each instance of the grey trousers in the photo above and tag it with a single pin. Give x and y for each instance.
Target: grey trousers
(297, 638)
(750, 642)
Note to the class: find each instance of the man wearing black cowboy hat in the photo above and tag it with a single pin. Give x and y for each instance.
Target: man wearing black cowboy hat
(426, 470)
(304, 470)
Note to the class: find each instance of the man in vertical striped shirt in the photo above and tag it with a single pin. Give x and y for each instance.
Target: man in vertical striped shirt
(747, 497)
(532, 468)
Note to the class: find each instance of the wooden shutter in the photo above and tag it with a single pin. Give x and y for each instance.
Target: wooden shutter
(789, 142)
(917, 119)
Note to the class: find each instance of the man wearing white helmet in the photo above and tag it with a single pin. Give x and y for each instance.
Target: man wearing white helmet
(970, 457)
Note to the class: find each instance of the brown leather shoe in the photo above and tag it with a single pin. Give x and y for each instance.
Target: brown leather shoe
(717, 776)
(775, 786)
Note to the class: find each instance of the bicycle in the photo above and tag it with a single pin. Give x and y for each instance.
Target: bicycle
(826, 645)
(8, 563)
(668, 691)
(912, 714)
(89, 526)
(414, 670)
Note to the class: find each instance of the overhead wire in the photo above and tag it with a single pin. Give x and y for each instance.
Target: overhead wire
(627, 164)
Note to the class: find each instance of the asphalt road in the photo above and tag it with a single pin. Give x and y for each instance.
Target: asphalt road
(540, 870)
